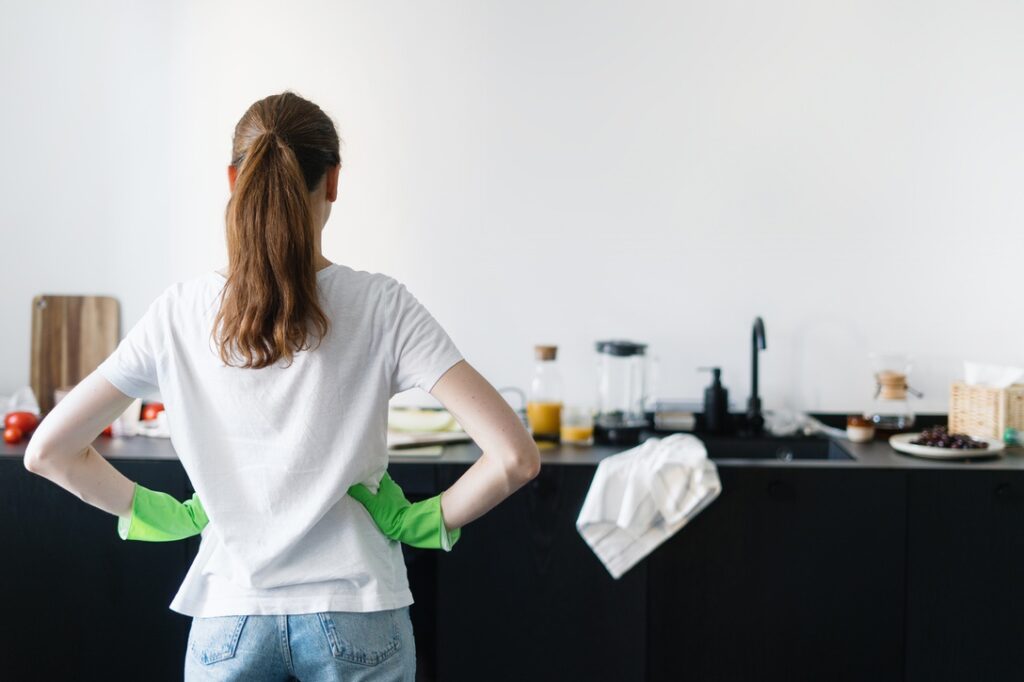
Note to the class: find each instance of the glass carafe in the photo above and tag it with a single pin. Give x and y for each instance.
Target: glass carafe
(891, 409)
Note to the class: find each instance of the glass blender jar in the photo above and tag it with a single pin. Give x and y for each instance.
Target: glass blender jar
(621, 374)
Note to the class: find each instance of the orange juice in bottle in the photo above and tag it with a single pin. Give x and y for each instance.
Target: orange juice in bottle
(544, 407)
(545, 419)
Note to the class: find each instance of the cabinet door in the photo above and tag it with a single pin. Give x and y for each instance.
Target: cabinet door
(79, 601)
(791, 574)
(522, 597)
(966, 576)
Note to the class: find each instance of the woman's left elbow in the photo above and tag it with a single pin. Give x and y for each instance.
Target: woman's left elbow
(35, 459)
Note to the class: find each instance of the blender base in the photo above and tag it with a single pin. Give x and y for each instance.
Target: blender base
(617, 435)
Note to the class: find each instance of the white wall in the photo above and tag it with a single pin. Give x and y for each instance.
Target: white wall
(560, 172)
(85, 160)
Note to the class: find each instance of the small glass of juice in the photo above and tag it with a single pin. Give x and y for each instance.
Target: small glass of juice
(577, 425)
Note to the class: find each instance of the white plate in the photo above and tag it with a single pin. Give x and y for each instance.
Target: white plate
(901, 442)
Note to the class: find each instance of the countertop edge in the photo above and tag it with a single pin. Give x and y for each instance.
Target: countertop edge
(872, 455)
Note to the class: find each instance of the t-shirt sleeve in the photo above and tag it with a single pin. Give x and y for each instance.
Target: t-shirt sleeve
(132, 367)
(421, 349)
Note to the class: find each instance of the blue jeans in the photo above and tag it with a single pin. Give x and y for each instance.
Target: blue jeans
(313, 647)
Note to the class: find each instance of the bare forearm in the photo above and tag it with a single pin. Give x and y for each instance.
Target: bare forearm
(510, 457)
(93, 479)
(484, 485)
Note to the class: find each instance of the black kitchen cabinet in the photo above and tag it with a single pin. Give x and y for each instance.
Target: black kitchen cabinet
(794, 573)
(522, 597)
(80, 603)
(966, 576)
(791, 574)
(419, 482)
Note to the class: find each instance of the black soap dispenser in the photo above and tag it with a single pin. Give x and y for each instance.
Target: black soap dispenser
(716, 403)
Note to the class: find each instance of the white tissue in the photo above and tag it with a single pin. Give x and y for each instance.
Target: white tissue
(992, 376)
(23, 400)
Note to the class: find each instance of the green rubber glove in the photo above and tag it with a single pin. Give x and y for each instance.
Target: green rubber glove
(418, 524)
(159, 517)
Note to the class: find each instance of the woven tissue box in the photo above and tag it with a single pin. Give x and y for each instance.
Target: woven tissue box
(985, 412)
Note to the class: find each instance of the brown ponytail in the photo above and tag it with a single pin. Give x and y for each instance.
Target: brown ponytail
(282, 148)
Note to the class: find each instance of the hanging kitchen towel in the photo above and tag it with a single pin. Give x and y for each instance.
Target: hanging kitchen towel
(639, 498)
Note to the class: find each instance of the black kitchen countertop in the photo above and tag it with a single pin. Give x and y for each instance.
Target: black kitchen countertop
(875, 455)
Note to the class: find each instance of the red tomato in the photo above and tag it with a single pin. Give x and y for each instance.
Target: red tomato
(151, 410)
(108, 432)
(12, 434)
(26, 421)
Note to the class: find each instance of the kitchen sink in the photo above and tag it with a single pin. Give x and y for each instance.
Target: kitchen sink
(769, 447)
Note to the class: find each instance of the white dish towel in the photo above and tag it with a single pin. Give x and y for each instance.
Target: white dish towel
(639, 498)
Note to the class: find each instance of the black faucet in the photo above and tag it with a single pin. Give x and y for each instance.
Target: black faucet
(755, 422)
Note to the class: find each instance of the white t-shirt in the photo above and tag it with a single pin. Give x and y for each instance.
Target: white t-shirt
(273, 451)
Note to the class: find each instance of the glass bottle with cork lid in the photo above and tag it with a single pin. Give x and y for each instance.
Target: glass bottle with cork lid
(544, 407)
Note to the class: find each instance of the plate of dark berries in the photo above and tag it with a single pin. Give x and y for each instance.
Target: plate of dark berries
(937, 442)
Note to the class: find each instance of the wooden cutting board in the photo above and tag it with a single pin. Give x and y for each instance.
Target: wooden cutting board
(71, 336)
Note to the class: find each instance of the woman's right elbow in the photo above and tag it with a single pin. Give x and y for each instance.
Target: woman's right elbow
(528, 463)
